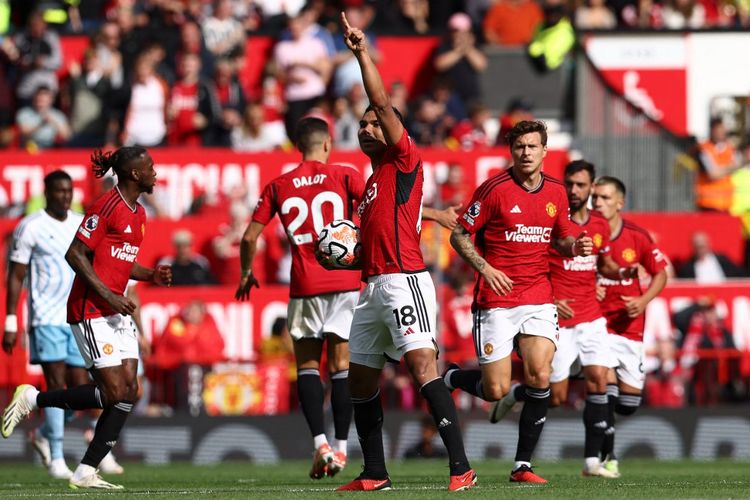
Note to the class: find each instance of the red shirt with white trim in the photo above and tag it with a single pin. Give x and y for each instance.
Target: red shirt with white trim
(114, 231)
(574, 278)
(306, 199)
(514, 228)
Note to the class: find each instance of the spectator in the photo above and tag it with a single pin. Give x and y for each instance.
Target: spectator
(188, 267)
(8, 54)
(425, 447)
(512, 22)
(89, 92)
(553, 38)
(456, 338)
(347, 73)
(454, 191)
(226, 246)
(519, 109)
(229, 103)
(718, 160)
(108, 54)
(707, 267)
(303, 66)
(191, 337)
(594, 15)
(278, 345)
(190, 105)
(470, 134)
(191, 42)
(41, 125)
(254, 134)
(146, 116)
(223, 33)
(40, 56)
(424, 125)
(459, 60)
(405, 17)
(310, 15)
(683, 14)
(741, 199)
(346, 125)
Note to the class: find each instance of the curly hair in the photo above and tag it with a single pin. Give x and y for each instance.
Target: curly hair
(527, 127)
(102, 161)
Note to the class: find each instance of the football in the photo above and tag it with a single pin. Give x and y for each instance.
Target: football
(338, 242)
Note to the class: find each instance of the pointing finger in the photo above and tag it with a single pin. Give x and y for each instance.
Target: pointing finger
(344, 21)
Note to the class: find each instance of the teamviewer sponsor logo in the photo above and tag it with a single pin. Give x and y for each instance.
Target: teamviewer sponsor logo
(126, 252)
(529, 234)
(580, 263)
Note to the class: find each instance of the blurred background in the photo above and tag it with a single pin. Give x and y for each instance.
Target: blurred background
(651, 91)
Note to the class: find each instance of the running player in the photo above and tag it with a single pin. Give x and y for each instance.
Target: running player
(583, 329)
(103, 257)
(396, 314)
(321, 302)
(39, 245)
(516, 216)
(624, 305)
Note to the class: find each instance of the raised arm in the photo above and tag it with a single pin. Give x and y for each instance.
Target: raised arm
(376, 93)
(248, 247)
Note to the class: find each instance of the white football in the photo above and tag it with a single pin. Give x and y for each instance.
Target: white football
(338, 242)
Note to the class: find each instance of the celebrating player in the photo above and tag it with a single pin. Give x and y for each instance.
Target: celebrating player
(624, 305)
(321, 302)
(583, 329)
(396, 314)
(516, 216)
(103, 255)
(39, 245)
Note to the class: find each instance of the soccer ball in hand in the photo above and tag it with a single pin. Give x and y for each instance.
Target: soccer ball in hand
(339, 245)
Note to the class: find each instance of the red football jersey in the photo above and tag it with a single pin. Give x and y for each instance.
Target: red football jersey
(632, 246)
(456, 338)
(514, 228)
(391, 213)
(114, 231)
(306, 199)
(574, 278)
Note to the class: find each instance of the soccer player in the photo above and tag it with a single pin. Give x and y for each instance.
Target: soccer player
(396, 313)
(103, 255)
(39, 245)
(624, 305)
(321, 302)
(583, 329)
(516, 216)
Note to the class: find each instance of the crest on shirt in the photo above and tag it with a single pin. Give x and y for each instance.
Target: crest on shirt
(488, 348)
(108, 349)
(628, 254)
(551, 209)
(91, 223)
(597, 240)
(474, 209)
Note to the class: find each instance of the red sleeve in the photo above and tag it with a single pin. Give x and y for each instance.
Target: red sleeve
(479, 211)
(93, 228)
(356, 186)
(403, 154)
(562, 220)
(605, 248)
(652, 259)
(266, 207)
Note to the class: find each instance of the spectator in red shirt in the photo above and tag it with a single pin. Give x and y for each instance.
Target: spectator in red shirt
(469, 134)
(512, 22)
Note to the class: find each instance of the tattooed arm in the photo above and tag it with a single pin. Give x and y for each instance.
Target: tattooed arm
(496, 279)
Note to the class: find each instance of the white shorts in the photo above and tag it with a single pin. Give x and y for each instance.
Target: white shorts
(396, 313)
(628, 360)
(494, 330)
(585, 344)
(106, 341)
(314, 317)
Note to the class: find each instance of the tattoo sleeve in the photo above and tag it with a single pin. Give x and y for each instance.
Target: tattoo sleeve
(461, 242)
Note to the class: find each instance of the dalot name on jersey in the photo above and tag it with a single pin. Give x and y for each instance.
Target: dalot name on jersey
(529, 234)
(308, 180)
(580, 263)
(127, 252)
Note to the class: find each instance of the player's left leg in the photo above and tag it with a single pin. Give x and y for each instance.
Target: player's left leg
(341, 400)
(595, 419)
(536, 353)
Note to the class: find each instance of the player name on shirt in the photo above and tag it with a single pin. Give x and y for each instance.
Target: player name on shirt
(309, 180)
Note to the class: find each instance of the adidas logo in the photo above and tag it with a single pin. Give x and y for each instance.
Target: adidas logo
(540, 421)
(601, 425)
(444, 423)
(408, 331)
(128, 230)
(111, 443)
(515, 210)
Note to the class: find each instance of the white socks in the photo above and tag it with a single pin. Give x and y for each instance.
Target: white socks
(319, 440)
(340, 445)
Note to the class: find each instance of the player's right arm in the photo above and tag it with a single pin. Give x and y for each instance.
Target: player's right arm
(16, 274)
(379, 99)
(79, 257)
(498, 281)
(248, 247)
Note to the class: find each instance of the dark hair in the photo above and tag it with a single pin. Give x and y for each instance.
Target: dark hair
(395, 110)
(578, 165)
(117, 160)
(310, 132)
(606, 180)
(278, 326)
(716, 120)
(527, 127)
(54, 176)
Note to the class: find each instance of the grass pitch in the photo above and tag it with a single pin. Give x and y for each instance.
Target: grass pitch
(423, 479)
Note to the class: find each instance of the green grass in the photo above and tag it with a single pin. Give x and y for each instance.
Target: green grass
(417, 479)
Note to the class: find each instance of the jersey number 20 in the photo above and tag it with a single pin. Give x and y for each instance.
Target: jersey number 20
(315, 207)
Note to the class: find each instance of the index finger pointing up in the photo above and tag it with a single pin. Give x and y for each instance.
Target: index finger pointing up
(583, 234)
(344, 21)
